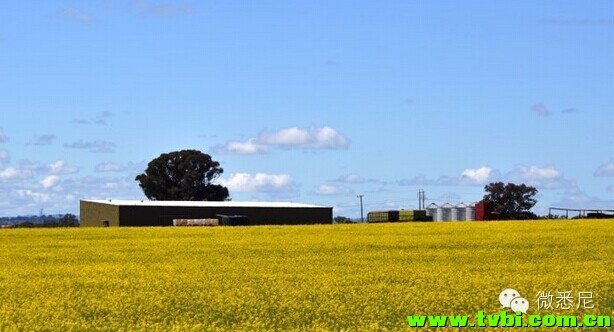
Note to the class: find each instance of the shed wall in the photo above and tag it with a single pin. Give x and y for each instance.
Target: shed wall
(93, 214)
(164, 215)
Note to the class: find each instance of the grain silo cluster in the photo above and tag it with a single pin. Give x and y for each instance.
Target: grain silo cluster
(459, 212)
(449, 212)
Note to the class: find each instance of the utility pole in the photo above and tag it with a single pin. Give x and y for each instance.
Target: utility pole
(362, 218)
(421, 199)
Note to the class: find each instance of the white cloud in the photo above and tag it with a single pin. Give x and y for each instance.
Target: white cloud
(288, 136)
(477, 176)
(30, 167)
(422, 180)
(605, 170)
(570, 110)
(576, 198)
(541, 109)
(161, 9)
(75, 15)
(98, 146)
(541, 177)
(60, 167)
(312, 138)
(350, 178)
(469, 176)
(43, 140)
(99, 119)
(50, 181)
(109, 167)
(259, 182)
(5, 157)
(9, 173)
(93, 187)
(3, 137)
(535, 173)
(27, 194)
(34, 196)
(332, 190)
(251, 146)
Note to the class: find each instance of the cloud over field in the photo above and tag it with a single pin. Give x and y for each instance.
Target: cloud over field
(50, 181)
(113, 167)
(469, 176)
(5, 156)
(75, 15)
(541, 109)
(43, 140)
(3, 137)
(58, 167)
(260, 183)
(478, 176)
(151, 8)
(98, 146)
(541, 177)
(332, 190)
(606, 169)
(313, 138)
(9, 173)
(251, 146)
(350, 178)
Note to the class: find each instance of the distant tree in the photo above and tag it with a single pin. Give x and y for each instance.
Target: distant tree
(342, 220)
(510, 200)
(185, 175)
(68, 220)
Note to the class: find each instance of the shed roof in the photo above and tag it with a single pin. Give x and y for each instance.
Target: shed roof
(119, 202)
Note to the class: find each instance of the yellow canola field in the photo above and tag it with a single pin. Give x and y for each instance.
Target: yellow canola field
(366, 277)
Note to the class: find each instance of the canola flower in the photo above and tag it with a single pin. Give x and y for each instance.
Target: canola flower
(292, 278)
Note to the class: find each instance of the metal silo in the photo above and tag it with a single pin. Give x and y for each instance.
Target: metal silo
(446, 212)
(431, 210)
(470, 212)
(460, 212)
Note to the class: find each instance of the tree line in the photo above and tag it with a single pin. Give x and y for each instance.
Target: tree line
(66, 220)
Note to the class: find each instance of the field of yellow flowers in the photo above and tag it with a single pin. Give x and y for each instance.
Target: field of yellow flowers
(365, 277)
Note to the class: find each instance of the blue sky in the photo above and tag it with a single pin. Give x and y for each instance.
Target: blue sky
(309, 101)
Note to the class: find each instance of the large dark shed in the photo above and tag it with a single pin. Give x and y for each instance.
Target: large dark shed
(97, 213)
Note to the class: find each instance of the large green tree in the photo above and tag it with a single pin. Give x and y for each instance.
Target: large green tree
(185, 175)
(511, 201)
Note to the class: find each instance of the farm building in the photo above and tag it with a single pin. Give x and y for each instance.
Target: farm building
(449, 212)
(397, 215)
(99, 213)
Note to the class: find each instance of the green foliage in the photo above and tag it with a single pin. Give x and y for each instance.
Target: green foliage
(510, 200)
(68, 220)
(342, 220)
(185, 175)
